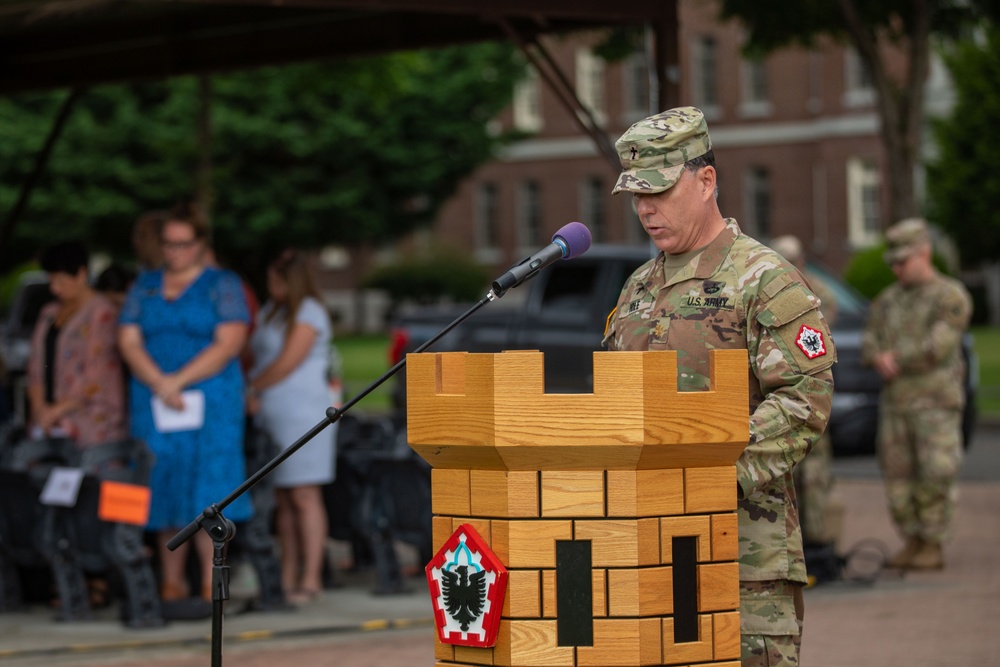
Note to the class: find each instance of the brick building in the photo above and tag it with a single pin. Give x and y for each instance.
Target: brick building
(795, 134)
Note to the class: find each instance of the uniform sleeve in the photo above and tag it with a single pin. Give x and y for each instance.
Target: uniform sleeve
(227, 296)
(791, 355)
(952, 313)
(871, 344)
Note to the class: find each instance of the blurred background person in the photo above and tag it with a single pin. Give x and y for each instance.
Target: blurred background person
(181, 329)
(289, 392)
(113, 282)
(74, 372)
(818, 514)
(913, 339)
(146, 234)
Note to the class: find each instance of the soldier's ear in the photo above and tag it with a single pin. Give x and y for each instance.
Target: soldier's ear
(706, 180)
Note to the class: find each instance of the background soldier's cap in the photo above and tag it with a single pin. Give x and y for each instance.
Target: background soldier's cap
(904, 237)
(654, 150)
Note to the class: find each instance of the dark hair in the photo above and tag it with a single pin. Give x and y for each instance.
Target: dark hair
(115, 278)
(67, 257)
(190, 213)
(296, 270)
(696, 163)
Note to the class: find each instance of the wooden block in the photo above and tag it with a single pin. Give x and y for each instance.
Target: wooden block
(726, 633)
(441, 530)
(621, 642)
(640, 493)
(550, 608)
(718, 586)
(710, 489)
(529, 544)
(481, 526)
(600, 594)
(720, 415)
(530, 643)
(621, 542)
(443, 651)
(646, 591)
(687, 652)
(725, 537)
(524, 594)
(450, 492)
(572, 493)
(472, 655)
(686, 526)
(504, 494)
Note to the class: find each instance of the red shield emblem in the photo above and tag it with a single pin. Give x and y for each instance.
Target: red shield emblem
(467, 583)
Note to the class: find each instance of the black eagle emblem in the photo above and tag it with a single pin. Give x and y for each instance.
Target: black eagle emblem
(464, 596)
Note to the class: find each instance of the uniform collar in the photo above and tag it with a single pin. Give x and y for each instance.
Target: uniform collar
(705, 264)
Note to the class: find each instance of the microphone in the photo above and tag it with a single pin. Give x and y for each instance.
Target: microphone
(572, 240)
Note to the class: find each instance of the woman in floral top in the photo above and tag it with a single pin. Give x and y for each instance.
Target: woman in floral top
(74, 372)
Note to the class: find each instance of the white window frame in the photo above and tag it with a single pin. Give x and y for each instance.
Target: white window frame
(757, 183)
(864, 202)
(590, 87)
(705, 75)
(527, 106)
(529, 214)
(754, 85)
(858, 88)
(594, 207)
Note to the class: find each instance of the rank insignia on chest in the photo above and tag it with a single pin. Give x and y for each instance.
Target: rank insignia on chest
(811, 342)
(467, 583)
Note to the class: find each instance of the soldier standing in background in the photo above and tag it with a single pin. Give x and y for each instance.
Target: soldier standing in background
(712, 287)
(813, 479)
(913, 340)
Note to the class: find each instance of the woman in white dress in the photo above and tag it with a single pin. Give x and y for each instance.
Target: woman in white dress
(289, 393)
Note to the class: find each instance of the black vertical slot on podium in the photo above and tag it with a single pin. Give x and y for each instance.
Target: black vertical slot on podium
(574, 593)
(685, 589)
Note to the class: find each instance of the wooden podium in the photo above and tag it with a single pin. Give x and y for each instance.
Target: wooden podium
(613, 512)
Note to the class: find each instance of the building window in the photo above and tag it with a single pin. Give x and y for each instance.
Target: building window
(593, 208)
(637, 102)
(634, 233)
(755, 102)
(590, 82)
(528, 103)
(757, 201)
(859, 88)
(529, 214)
(705, 76)
(487, 218)
(864, 202)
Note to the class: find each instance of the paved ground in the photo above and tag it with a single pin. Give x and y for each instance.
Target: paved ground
(917, 620)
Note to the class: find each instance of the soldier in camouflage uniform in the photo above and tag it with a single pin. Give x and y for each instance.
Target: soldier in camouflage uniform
(913, 339)
(712, 287)
(813, 478)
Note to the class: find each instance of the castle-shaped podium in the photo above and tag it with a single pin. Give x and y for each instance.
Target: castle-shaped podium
(613, 512)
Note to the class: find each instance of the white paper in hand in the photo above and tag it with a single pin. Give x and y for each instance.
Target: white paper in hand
(190, 418)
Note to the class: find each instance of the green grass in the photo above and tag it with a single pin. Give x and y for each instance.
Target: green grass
(988, 350)
(364, 360)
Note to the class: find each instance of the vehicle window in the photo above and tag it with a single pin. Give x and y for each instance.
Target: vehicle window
(570, 287)
(852, 307)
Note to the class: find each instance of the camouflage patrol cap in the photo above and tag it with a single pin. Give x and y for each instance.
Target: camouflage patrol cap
(654, 150)
(904, 237)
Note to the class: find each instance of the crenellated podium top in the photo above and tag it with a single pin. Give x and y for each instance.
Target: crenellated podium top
(490, 411)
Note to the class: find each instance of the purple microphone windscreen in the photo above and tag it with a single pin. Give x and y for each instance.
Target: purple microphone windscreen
(576, 236)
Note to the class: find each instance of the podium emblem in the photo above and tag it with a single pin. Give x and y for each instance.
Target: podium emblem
(467, 583)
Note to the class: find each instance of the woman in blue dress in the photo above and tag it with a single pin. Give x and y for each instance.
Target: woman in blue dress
(181, 330)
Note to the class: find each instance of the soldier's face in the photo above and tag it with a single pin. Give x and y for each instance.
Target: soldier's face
(675, 218)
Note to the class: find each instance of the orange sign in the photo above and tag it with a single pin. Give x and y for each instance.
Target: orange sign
(124, 503)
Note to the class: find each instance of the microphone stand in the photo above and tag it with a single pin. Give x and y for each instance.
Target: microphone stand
(222, 530)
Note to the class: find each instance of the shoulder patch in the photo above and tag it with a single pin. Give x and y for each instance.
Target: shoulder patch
(811, 342)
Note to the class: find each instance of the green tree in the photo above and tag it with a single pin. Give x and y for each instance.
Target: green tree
(351, 151)
(962, 182)
(871, 27)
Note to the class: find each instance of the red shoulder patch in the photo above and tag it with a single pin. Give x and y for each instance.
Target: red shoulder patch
(811, 342)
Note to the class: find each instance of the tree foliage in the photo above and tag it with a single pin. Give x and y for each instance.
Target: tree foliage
(962, 182)
(870, 26)
(351, 151)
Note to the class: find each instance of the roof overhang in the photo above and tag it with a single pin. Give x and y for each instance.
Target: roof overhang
(47, 44)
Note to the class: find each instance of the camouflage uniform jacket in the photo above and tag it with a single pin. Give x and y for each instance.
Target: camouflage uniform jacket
(739, 294)
(923, 325)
